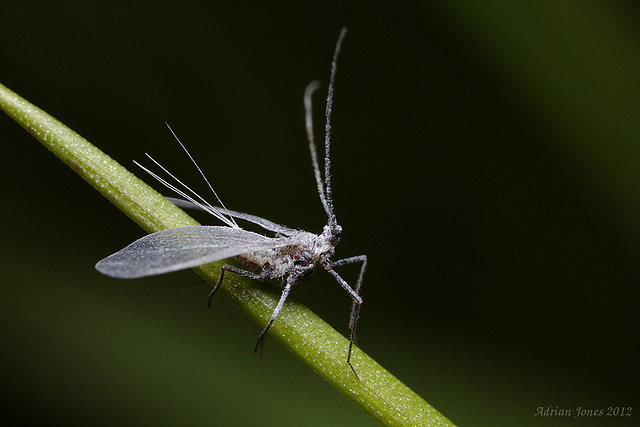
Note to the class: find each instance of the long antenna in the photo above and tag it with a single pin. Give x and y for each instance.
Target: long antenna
(312, 145)
(327, 128)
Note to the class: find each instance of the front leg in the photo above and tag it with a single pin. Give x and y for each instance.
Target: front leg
(355, 295)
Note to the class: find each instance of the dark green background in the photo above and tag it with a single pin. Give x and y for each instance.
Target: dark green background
(486, 158)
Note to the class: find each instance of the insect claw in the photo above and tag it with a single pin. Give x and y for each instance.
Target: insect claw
(210, 297)
(217, 286)
(260, 344)
(349, 361)
(354, 372)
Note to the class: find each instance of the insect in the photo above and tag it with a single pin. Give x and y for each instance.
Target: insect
(290, 256)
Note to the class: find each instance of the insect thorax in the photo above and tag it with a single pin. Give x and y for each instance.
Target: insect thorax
(299, 258)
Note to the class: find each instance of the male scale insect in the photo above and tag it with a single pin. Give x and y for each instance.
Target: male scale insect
(290, 256)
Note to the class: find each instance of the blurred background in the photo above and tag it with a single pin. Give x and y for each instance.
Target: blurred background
(486, 157)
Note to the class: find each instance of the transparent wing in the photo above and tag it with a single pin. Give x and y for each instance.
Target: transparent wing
(183, 247)
(264, 223)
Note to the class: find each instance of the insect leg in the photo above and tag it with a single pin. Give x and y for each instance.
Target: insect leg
(232, 269)
(355, 310)
(285, 293)
(355, 295)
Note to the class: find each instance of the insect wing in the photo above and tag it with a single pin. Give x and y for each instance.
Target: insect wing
(183, 247)
(264, 223)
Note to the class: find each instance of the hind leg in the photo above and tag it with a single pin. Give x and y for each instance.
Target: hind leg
(235, 270)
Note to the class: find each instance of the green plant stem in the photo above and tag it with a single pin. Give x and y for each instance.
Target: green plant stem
(312, 340)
